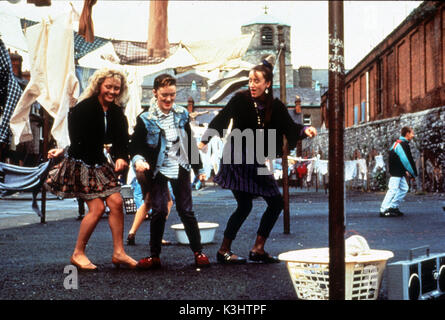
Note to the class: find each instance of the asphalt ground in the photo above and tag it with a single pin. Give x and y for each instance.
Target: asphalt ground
(34, 255)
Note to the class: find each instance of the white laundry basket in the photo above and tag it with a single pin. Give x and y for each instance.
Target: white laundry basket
(309, 271)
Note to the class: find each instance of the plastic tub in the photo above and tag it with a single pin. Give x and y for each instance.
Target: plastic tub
(206, 229)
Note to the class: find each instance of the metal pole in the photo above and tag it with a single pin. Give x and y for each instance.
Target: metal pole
(286, 214)
(45, 157)
(336, 161)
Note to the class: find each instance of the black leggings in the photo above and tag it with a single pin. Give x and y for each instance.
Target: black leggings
(245, 200)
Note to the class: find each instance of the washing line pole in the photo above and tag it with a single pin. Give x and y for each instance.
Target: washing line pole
(336, 164)
(45, 158)
(284, 163)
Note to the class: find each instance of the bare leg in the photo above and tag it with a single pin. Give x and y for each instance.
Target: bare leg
(95, 210)
(139, 218)
(116, 222)
(140, 215)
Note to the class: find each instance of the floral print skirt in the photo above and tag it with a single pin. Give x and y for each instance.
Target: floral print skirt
(73, 178)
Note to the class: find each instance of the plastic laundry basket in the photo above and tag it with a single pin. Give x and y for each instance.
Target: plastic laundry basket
(309, 271)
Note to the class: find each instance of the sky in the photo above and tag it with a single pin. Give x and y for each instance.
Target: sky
(366, 23)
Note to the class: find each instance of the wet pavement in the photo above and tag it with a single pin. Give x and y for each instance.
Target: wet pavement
(35, 255)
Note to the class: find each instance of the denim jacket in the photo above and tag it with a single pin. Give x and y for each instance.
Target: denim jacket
(149, 142)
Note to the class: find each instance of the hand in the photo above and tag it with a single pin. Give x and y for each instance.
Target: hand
(202, 177)
(120, 165)
(311, 132)
(201, 145)
(141, 166)
(54, 153)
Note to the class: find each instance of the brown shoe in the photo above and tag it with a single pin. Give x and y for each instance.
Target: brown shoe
(149, 263)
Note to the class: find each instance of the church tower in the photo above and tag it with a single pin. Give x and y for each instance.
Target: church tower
(265, 41)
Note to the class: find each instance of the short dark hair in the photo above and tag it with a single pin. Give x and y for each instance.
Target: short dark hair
(405, 131)
(164, 80)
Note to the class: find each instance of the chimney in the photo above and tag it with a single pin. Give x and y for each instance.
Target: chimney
(16, 61)
(305, 77)
(297, 104)
(158, 45)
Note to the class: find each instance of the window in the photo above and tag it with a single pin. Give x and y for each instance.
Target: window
(363, 111)
(307, 120)
(355, 114)
(35, 109)
(266, 36)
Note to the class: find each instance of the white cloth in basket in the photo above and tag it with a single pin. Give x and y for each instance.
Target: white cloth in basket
(356, 245)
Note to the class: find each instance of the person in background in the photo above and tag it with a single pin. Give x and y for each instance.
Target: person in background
(85, 172)
(142, 214)
(254, 109)
(401, 168)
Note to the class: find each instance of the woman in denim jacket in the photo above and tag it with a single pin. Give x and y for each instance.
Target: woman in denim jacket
(163, 149)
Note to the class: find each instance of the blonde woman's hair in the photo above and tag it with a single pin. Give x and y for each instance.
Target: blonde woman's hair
(96, 80)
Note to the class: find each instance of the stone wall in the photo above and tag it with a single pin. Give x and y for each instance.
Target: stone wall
(372, 138)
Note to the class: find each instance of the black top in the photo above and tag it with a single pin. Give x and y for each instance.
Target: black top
(241, 109)
(86, 126)
(244, 175)
(396, 167)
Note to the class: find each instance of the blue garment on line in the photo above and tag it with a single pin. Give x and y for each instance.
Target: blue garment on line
(15, 178)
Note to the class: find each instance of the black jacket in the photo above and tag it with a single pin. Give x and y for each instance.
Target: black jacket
(86, 128)
(242, 110)
(400, 159)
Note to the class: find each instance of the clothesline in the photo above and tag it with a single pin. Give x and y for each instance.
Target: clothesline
(353, 168)
(211, 157)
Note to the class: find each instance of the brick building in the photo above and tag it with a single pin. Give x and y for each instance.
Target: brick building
(401, 82)
(405, 73)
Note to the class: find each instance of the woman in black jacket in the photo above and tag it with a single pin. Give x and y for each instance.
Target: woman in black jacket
(253, 112)
(95, 122)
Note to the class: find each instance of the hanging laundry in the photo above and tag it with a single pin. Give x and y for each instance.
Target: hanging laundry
(10, 92)
(350, 169)
(133, 107)
(53, 81)
(321, 167)
(379, 163)
(302, 169)
(362, 169)
(16, 178)
(310, 170)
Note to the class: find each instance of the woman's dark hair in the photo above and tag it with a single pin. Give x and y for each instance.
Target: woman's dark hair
(266, 68)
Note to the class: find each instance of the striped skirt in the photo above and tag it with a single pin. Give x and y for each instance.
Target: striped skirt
(245, 178)
(73, 178)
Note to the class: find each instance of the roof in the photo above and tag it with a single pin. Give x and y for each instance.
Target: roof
(265, 18)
